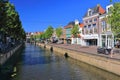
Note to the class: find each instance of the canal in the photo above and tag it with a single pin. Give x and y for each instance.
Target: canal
(37, 63)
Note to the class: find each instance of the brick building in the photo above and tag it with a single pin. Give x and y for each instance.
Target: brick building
(91, 30)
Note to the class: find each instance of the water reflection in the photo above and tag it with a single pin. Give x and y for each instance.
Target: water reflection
(36, 63)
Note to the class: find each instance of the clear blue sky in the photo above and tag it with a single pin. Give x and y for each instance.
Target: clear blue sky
(37, 15)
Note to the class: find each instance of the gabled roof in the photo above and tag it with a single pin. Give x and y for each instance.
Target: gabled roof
(101, 10)
(96, 9)
(81, 25)
(70, 25)
(37, 33)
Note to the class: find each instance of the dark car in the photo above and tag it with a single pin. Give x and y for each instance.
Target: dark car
(54, 41)
(102, 50)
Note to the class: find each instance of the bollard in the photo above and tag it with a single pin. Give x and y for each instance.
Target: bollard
(51, 49)
(66, 55)
(44, 46)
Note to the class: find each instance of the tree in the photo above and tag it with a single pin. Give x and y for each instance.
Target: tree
(10, 22)
(59, 32)
(42, 36)
(75, 31)
(114, 18)
(49, 32)
(2, 15)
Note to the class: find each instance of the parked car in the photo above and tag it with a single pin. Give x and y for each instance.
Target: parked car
(102, 50)
(54, 41)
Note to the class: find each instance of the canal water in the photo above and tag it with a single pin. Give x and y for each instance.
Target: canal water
(37, 63)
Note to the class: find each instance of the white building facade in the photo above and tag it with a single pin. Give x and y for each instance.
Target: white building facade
(79, 39)
(106, 36)
(96, 31)
(91, 30)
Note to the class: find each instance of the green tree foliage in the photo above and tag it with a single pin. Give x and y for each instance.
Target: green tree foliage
(59, 31)
(48, 33)
(38, 36)
(75, 31)
(10, 22)
(2, 15)
(114, 18)
(42, 36)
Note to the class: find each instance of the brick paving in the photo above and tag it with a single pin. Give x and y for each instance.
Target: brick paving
(88, 49)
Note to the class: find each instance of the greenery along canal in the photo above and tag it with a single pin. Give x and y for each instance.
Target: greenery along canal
(36, 63)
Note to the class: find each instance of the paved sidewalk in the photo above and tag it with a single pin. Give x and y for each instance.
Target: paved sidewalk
(87, 49)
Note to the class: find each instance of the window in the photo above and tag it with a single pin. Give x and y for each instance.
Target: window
(89, 26)
(91, 31)
(85, 26)
(103, 24)
(90, 13)
(95, 19)
(95, 30)
(108, 10)
(90, 20)
(86, 31)
(68, 31)
(94, 25)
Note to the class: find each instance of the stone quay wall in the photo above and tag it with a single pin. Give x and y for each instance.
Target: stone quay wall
(4, 57)
(102, 62)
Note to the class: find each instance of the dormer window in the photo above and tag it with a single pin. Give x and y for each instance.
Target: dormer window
(108, 8)
(89, 26)
(90, 13)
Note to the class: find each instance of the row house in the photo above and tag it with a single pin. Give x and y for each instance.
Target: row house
(61, 38)
(69, 38)
(81, 36)
(96, 30)
(67, 31)
(106, 38)
(30, 34)
(79, 39)
(91, 30)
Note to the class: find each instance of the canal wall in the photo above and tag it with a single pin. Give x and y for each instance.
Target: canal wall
(4, 57)
(99, 61)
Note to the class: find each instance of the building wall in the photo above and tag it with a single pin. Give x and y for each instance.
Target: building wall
(94, 22)
(91, 29)
(92, 26)
(68, 32)
(106, 35)
(63, 36)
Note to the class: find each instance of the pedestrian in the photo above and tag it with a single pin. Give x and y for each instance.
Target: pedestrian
(109, 49)
(111, 53)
